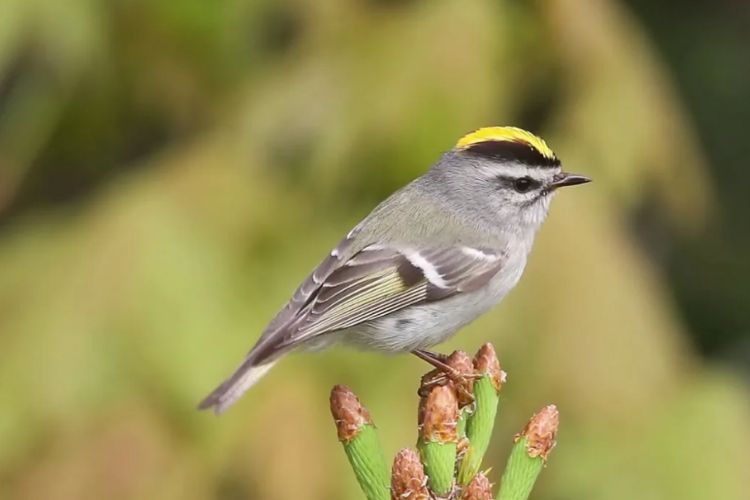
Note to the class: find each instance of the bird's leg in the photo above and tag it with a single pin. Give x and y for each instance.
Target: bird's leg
(435, 359)
(443, 373)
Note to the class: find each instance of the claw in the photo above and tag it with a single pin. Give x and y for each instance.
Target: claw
(456, 368)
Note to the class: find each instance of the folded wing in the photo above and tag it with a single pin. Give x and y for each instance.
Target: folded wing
(380, 280)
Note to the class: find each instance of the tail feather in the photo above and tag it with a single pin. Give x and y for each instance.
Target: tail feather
(235, 386)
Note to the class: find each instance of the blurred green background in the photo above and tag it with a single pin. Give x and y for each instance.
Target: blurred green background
(170, 170)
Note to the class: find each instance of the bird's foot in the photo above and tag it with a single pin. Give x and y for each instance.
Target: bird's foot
(456, 368)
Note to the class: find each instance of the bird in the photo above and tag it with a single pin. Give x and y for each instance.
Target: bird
(432, 257)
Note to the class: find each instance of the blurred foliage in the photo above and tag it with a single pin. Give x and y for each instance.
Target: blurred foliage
(170, 170)
(706, 46)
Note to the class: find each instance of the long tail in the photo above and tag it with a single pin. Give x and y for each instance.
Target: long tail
(235, 386)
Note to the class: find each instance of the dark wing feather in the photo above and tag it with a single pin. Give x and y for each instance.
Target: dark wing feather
(460, 269)
(278, 327)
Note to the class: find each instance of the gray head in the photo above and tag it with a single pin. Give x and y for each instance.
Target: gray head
(503, 176)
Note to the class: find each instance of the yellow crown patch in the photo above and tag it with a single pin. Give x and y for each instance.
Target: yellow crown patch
(507, 134)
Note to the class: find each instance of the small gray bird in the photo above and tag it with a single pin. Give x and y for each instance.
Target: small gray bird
(428, 260)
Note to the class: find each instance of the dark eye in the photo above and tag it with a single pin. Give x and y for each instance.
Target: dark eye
(523, 184)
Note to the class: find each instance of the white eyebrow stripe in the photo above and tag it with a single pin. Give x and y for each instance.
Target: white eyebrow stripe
(516, 170)
(429, 270)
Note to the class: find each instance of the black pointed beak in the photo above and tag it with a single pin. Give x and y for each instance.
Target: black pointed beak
(566, 179)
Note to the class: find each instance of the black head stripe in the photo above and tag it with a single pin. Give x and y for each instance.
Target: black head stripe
(512, 151)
